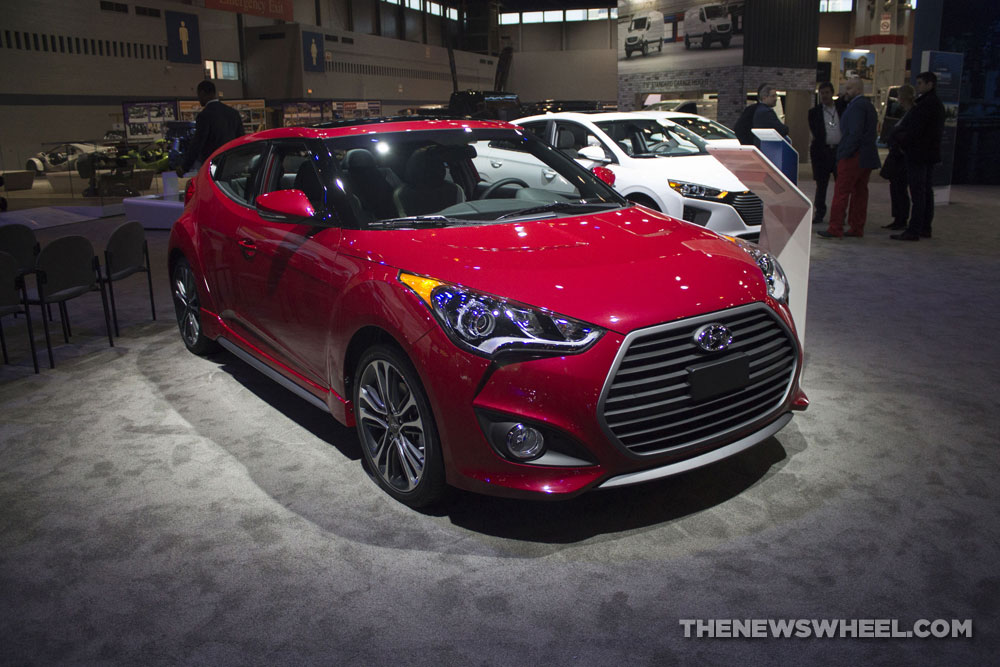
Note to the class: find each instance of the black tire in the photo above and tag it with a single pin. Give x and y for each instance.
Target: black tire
(396, 428)
(687, 42)
(725, 43)
(628, 54)
(659, 45)
(187, 308)
(706, 42)
(645, 48)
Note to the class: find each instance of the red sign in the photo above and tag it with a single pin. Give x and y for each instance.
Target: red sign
(272, 9)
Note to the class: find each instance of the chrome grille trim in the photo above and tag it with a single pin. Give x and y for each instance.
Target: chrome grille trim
(645, 407)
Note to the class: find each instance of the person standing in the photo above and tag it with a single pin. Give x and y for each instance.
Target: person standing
(760, 115)
(857, 155)
(824, 124)
(215, 125)
(894, 168)
(919, 135)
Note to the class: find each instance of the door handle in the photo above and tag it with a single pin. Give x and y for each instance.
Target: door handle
(248, 247)
(496, 164)
(548, 173)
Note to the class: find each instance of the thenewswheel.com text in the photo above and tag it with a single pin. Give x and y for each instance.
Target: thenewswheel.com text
(867, 628)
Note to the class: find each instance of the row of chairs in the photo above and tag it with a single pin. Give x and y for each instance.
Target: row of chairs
(63, 270)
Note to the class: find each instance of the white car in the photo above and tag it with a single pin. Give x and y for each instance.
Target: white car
(655, 163)
(710, 131)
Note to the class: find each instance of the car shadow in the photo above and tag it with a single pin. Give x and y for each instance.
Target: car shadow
(614, 510)
(319, 423)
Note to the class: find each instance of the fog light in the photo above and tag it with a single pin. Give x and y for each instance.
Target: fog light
(525, 442)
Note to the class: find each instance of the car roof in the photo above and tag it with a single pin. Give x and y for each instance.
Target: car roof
(341, 128)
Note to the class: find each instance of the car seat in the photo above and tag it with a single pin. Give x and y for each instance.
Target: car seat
(307, 180)
(368, 183)
(424, 189)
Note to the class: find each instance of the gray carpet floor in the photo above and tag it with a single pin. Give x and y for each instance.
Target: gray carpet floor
(158, 508)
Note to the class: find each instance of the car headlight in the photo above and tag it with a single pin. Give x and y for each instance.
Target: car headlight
(488, 325)
(774, 275)
(697, 191)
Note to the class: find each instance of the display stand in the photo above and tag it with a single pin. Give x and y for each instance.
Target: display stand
(159, 211)
(787, 229)
(778, 151)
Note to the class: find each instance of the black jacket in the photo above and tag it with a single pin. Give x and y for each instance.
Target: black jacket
(215, 125)
(817, 126)
(919, 132)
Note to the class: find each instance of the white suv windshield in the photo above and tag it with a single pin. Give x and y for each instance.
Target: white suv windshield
(645, 137)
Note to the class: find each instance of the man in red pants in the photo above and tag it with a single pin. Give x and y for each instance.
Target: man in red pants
(857, 155)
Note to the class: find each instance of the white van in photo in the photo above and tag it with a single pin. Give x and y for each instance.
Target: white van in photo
(645, 30)
(705, 24)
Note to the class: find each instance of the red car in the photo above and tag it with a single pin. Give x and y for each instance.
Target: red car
(535, 340)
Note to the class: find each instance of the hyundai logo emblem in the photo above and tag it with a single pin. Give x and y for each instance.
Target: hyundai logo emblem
(713, 337)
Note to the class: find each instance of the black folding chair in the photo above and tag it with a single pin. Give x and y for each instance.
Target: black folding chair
(14, 300)
(65, 269)
(126, 253)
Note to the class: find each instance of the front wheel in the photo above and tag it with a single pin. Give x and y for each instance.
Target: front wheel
(645, 48)
(399, 439)
(725, 43)
(687, 42)
(187, 307)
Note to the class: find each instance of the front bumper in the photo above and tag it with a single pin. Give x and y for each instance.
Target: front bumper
(564, 395)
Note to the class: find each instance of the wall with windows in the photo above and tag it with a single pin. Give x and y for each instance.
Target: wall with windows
(559, 55)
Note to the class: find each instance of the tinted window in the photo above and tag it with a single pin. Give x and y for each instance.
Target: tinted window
(235, 171)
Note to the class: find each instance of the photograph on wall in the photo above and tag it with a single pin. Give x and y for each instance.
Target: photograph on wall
(144, 121)
(657, 35)
(858, 65)
(252, 112)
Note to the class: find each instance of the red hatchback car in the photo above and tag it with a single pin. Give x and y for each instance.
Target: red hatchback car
(524, 339)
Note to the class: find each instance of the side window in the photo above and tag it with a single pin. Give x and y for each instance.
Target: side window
(292, 167)
(537, 128)
(235, 171)
(571, 137)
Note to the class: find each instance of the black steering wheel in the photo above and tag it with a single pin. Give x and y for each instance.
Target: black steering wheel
(501, 183)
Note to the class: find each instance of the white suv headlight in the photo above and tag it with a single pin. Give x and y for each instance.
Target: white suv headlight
(488, 325)
(697, 191)
(774, 275)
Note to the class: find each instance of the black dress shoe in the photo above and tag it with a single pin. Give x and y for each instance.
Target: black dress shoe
(895, 225)
(905, 236)
(823, 234)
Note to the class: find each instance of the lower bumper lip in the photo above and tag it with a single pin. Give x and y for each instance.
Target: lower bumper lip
(701, 460)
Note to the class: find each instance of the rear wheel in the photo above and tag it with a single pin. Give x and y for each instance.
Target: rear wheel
(706, 41)
(396, 428)
(687, 42)
(725, 43)
(187, 307)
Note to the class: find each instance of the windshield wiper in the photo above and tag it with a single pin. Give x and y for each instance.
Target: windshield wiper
(557, 206)
(416, 221)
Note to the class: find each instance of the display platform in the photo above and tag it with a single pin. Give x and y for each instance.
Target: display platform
(158, 211)
(44, 217)
(20, 179)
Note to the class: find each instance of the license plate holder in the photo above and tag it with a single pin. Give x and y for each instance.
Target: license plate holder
(715, 378)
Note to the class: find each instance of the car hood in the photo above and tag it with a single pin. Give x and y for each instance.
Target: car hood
(620, 270)
(700, 169)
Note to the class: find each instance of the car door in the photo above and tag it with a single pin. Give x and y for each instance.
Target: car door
(285, 284)
(504, 159)
(234, 174)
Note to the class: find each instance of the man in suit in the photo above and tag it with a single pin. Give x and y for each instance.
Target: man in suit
(760, 115)
(215, 125)
(918, 133)
(857, 155)
(824, 124)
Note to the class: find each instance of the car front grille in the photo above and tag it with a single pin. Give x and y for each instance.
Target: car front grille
(646, 405)
(750, 207)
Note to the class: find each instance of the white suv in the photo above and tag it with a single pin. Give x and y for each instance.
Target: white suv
(656, 163)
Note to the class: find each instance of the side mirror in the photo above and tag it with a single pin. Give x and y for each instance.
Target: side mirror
(604, 174)
(594, 154)
(289, 203)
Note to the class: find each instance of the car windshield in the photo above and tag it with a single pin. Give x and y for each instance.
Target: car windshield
(639, 24)
(715, 12)
(457, 177)
(647, 137)
(705, 128)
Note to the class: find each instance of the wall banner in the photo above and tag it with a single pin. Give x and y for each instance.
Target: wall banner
(272, 9)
